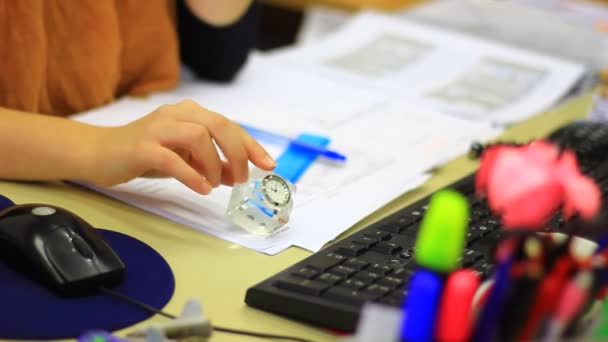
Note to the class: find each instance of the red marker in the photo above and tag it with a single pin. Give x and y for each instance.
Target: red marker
(546, 295)
(456, 308)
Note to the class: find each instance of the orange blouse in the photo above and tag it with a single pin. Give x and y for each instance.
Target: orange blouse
(64, 56)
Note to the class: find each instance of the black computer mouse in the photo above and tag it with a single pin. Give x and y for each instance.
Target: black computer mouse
(57, 248)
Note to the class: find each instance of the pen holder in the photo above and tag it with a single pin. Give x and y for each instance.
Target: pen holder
(262, 204)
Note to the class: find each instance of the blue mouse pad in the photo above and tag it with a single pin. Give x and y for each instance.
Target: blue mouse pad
(31, 311)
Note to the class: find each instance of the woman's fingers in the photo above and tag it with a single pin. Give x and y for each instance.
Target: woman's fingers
(169, 163)
(236, 145)
(197, 148)
(257, 154)
(227, 177)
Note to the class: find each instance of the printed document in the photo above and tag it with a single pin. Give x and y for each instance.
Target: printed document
(448, 71)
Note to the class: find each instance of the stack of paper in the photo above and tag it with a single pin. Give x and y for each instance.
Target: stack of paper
(569, 29)
(448, 71)
(396, 98)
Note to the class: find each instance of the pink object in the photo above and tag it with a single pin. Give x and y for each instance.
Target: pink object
(527, 184)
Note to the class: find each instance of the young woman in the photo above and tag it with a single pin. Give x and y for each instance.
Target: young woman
(61, 57)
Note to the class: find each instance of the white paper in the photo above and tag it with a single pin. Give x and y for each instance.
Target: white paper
(319, 21)
(389, 145)
(448, 71)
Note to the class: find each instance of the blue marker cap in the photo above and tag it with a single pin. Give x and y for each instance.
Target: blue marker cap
(421, 306)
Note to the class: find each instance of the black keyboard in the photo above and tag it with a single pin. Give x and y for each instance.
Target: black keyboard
(329, 287)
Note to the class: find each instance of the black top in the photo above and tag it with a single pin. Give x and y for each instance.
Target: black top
(215, 53)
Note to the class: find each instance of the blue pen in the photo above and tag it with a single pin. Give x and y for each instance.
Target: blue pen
(488, 320)
(421, 306)
(275, 138)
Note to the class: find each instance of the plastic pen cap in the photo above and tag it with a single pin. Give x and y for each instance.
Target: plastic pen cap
(421, 305)
(455, 320)
(440, 241)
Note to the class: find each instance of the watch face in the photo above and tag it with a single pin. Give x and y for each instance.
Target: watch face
(276, 190)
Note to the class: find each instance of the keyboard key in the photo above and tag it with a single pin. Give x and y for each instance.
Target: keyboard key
(343, 271)
(378, 235)
(484, 268)
(367, 276)
(402, 273)
(395, 298)
(349, 296)
(472, 237)
(355, 263)
(366, 241)
(492, 224)
(396, 263)
(482, 229)
(352, 250)
(405, 255)
(493, 238)
(471, 257)
(391, 300)
(354, 284)
(478, 214)
(326, 262)
(380, 269)
(390, 282)
(417, 214)
(386, 247)
(306, 272)
(370, 258)
(476, 202)
(406, 223)
(399, 292)
(378, 290)
(391, 228)
(478, 273)
(304, 286)
(329, 278)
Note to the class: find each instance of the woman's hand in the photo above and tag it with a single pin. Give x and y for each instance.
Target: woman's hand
(178, 141)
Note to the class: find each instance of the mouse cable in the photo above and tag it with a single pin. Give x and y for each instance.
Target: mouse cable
(152, 309)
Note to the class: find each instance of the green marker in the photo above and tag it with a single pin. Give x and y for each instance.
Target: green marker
(440, 241)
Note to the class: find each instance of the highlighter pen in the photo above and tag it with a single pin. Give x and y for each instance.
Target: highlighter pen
(456, 309)
(275, 138)
(439, 245)
(420, 306)
(441, 238)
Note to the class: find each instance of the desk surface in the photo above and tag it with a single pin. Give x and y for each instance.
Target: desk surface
(219, 272)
